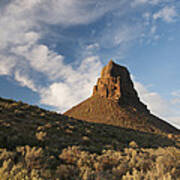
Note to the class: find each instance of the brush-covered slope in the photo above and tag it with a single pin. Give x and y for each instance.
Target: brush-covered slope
(115, 101)
(39, 144)
(102, 110)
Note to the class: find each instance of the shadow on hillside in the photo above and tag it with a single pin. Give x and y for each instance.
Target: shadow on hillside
(120, 137)
(58, 132)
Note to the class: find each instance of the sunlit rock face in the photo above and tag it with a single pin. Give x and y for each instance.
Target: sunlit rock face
(115, 83)
(115, 101)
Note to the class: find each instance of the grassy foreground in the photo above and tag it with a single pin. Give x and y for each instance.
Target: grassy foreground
(43, 145)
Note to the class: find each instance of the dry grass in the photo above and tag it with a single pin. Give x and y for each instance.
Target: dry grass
(38, 144)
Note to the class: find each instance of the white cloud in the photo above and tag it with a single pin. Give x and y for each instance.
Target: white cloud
(119, 35)
(153, 29)
(138, 2)
(146, 15)
(176, 97)
(25, 81)
(6, 65)
(74, 11)
(175, 121)
(76, 86)
(154, 101)
(122, 36)
(176, 101)
(176, 93)
(92, 46)
(48, 62)
(59, 95)
(158, 105)
(168, 14)
(142, 2)
(16, 22)
(22, 22)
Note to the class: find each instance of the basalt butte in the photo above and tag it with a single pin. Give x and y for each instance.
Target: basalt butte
(115, 101)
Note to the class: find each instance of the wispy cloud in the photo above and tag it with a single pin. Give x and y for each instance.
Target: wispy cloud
(92, 46)
(74, 11)
(154, 101)
(22, 54)
(76, 86)
(159, 106)
(176, 93)
(176, 98)
(22, 23)
(142, 2)
(25, 81)
(6, 64)
(167, 14)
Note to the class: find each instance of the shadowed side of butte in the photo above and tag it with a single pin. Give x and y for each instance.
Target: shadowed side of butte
(115, 101)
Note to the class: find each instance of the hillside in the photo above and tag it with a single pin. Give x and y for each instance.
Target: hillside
(102, 110)
(39, 144)
(116, 102)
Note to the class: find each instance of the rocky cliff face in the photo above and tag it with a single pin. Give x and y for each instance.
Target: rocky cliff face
(115, 101)
(115, 84)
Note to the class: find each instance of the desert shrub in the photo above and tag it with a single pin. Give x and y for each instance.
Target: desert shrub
(33, 157)
(64, 172)
(70, 155)
(131, 164)
(19, 113)
(133, 144)
(18, 172)
(75, 163)
(135, 175)
(40, 145)
(5, 155)
(41, 135)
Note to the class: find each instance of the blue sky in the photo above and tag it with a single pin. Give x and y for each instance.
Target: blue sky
(51, 52)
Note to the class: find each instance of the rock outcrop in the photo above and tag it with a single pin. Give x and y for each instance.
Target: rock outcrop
(115, 84)
(115, 101)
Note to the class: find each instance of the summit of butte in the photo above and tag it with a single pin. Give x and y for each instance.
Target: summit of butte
(115, 101)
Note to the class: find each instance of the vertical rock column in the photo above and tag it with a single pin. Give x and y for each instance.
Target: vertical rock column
(115, 84)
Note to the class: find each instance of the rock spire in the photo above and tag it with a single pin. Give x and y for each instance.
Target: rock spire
(115, 84)
(116, 102)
